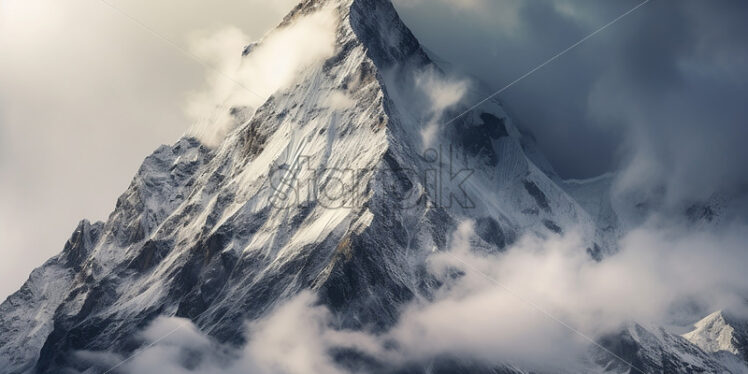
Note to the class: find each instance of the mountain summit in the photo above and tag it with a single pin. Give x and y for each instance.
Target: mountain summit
(330, 185)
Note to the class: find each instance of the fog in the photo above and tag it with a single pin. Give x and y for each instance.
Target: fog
(539, 305)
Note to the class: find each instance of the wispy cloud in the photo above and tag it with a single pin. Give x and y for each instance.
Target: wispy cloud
(245, 82)
(528, 306)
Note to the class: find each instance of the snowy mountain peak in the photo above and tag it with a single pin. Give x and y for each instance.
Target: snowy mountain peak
(655, 350)
(342, 179)
(721, 332)
(375, 24)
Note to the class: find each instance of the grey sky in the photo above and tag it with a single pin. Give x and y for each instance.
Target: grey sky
(85, 94)
(649, 56)
(659, 94)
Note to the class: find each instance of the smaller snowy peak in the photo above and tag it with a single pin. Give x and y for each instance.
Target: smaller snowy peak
(651, 349)
(721, 332)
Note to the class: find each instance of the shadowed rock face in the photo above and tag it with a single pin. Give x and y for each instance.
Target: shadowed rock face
(479, 138)
(540, 199)
(550, 225)
(200, 233)
(79, 246)
(489, 229)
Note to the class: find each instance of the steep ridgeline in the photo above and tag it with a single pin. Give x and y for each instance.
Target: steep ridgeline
(654, 350)
(725, 336)
(222, 235)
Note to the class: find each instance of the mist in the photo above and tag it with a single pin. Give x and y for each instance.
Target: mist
(271, 64)
(539, 305)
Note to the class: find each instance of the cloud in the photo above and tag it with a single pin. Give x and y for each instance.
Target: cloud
(246, 82)
(510, 307)
(657, 94)
(522, 305)
(338, 100)
(293, 339)
(209, 109)
(479, 317)
(534, 305)
(439, 92)
(469, 5)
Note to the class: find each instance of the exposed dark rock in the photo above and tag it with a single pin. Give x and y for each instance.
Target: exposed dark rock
(152, 252)
(595, 252)
(488, 229)
(478, 139)
(700, 212)
(553, 226)
(540, 199)
(79, 246)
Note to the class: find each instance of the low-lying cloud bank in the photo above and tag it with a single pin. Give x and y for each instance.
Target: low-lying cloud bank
(534, 305)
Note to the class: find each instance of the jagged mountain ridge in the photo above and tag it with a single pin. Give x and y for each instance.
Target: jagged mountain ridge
(198, 233)
(652, 349)
(722, 334)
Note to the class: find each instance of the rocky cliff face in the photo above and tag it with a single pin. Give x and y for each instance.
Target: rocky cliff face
(344, 200)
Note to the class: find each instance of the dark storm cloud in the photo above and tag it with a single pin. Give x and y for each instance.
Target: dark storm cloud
(660, 92)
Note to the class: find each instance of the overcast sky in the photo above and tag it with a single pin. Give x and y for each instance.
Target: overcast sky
(85, 96)
(86, 93)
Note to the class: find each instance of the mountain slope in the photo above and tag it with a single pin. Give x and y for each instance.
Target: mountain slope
(27, 314)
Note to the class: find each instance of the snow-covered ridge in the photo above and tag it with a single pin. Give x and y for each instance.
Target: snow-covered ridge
(26, 317)
(719, 332)
(652, 349)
